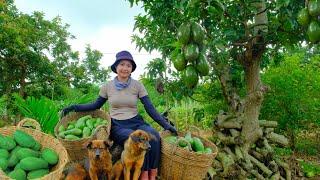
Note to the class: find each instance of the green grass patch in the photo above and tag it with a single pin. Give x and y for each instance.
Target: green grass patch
(307, 146)
(280, 152)
(309, 169)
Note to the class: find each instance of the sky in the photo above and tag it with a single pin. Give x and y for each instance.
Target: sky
(107, 25)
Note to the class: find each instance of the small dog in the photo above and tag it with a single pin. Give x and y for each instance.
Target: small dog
(132, 157)
(100, 164)
(75, 172)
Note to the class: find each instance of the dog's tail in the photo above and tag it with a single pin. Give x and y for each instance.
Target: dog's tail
(74, 171)
(67, 170)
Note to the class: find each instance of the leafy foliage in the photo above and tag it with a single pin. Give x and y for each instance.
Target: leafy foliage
(294, 97)
(281, 152)
(77, 96)
(183, 112)
(226, 22)
(36, 59)
(89, 71)
(308, 147)
(3, 105)
(239, 37)
(25, 44)
(43, 110)
(156, 68)
(46, 111)
(310, 169)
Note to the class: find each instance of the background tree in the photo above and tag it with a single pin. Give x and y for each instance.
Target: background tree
(36, 59)
(88, 71)
(294, 97)
(26, 44)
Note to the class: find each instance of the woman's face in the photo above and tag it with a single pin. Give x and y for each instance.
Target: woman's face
(124, 69)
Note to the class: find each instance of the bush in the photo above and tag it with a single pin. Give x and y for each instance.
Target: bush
(294, 98)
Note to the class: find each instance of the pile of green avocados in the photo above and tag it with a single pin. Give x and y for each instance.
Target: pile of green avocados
(309, 17)
(192, 144)
(22, 157)
(190, 58)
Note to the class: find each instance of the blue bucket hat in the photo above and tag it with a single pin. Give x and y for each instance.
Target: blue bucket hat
(123, 55)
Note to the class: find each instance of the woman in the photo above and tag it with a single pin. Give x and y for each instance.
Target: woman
(122, 94)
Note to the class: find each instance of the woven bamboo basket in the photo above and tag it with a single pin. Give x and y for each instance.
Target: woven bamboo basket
(46, 141)
(75, 148)
(180, 164)
(29, 123)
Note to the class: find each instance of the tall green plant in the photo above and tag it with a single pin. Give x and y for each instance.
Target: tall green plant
(294, 98)
(43, 110)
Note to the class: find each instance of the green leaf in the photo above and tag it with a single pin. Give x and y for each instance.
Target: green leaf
(218, 6)
(176, 44)
(43, 110)
(282, 3)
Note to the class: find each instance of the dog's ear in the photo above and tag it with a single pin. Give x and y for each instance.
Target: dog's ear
(108, 143)
(89, 145)
(135, 138)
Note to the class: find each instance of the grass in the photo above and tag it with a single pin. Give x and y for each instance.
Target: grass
(309, 169)
(280, 152)
(307, 146)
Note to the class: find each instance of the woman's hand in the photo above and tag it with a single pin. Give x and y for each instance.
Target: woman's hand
(173, 130)
(67, 110)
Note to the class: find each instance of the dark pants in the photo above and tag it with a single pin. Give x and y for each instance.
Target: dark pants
(121, 129)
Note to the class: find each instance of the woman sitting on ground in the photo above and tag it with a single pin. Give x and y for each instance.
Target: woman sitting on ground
(122, 94)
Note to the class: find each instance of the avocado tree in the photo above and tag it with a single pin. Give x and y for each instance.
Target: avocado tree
(240, 36)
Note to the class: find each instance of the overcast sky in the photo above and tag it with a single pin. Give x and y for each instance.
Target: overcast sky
(106, 25)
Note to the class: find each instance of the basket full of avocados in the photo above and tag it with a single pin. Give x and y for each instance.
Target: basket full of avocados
(185, 156)
(28, 153)
(78, 128)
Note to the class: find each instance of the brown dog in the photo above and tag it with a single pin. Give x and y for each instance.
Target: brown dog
(100, 164)
(132, 156)
(75, 172)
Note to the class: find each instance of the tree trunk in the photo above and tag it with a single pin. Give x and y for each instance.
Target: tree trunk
(22, 84)
(7, 90)
(229, 92)
(250, 129)
(242, 141)
(255, 47)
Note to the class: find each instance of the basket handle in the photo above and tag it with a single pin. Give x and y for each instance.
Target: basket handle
(29, 123)
(102, 132)
(194, 129)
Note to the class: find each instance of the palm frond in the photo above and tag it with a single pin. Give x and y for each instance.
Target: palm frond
(43, 110)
